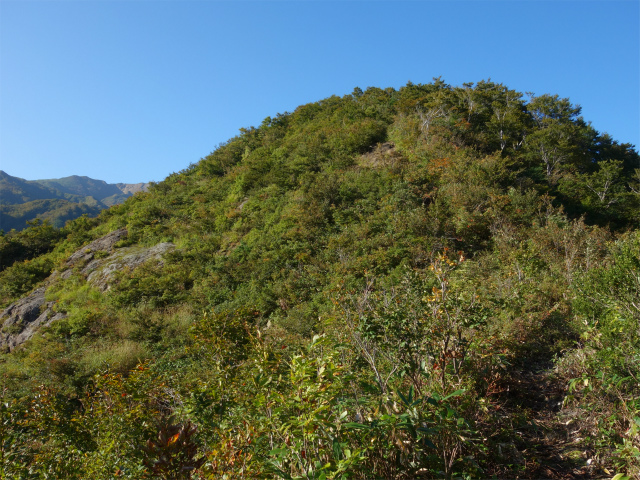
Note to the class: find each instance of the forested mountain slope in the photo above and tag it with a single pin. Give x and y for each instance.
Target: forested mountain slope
(430, 282)
(57, 200)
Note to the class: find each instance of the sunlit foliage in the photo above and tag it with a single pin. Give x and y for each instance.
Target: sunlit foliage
(354, 288)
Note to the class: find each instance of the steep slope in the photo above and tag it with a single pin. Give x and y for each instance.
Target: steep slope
(356, 289)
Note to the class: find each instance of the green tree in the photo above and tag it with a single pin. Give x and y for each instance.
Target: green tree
(557, 139)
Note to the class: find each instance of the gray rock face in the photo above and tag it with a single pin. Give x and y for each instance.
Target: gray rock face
(21, 320)
(101, 272)
(131, 188)
(24, 318)
(104, 244)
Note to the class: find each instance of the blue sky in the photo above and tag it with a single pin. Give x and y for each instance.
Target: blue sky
(131, 91)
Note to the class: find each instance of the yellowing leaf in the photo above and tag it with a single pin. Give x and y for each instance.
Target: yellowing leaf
(173, 439)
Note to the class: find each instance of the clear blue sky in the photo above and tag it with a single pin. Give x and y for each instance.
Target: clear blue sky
(131, 91)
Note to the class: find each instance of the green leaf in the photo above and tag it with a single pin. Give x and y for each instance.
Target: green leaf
(620, 476)
(356, 426)
(428, 443)
(337, 449)
(408, 400)
(278, 452)
(454, 394)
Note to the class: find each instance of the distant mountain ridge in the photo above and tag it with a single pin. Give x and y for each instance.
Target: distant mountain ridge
(58, 199)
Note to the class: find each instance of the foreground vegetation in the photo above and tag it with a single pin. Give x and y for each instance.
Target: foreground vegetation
(361, 289)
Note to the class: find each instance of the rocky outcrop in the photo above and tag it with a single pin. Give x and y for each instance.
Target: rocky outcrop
(383, 155)
(23, 318)
(131, 188)
(104, 244)
(97, 262)
(100, 273)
